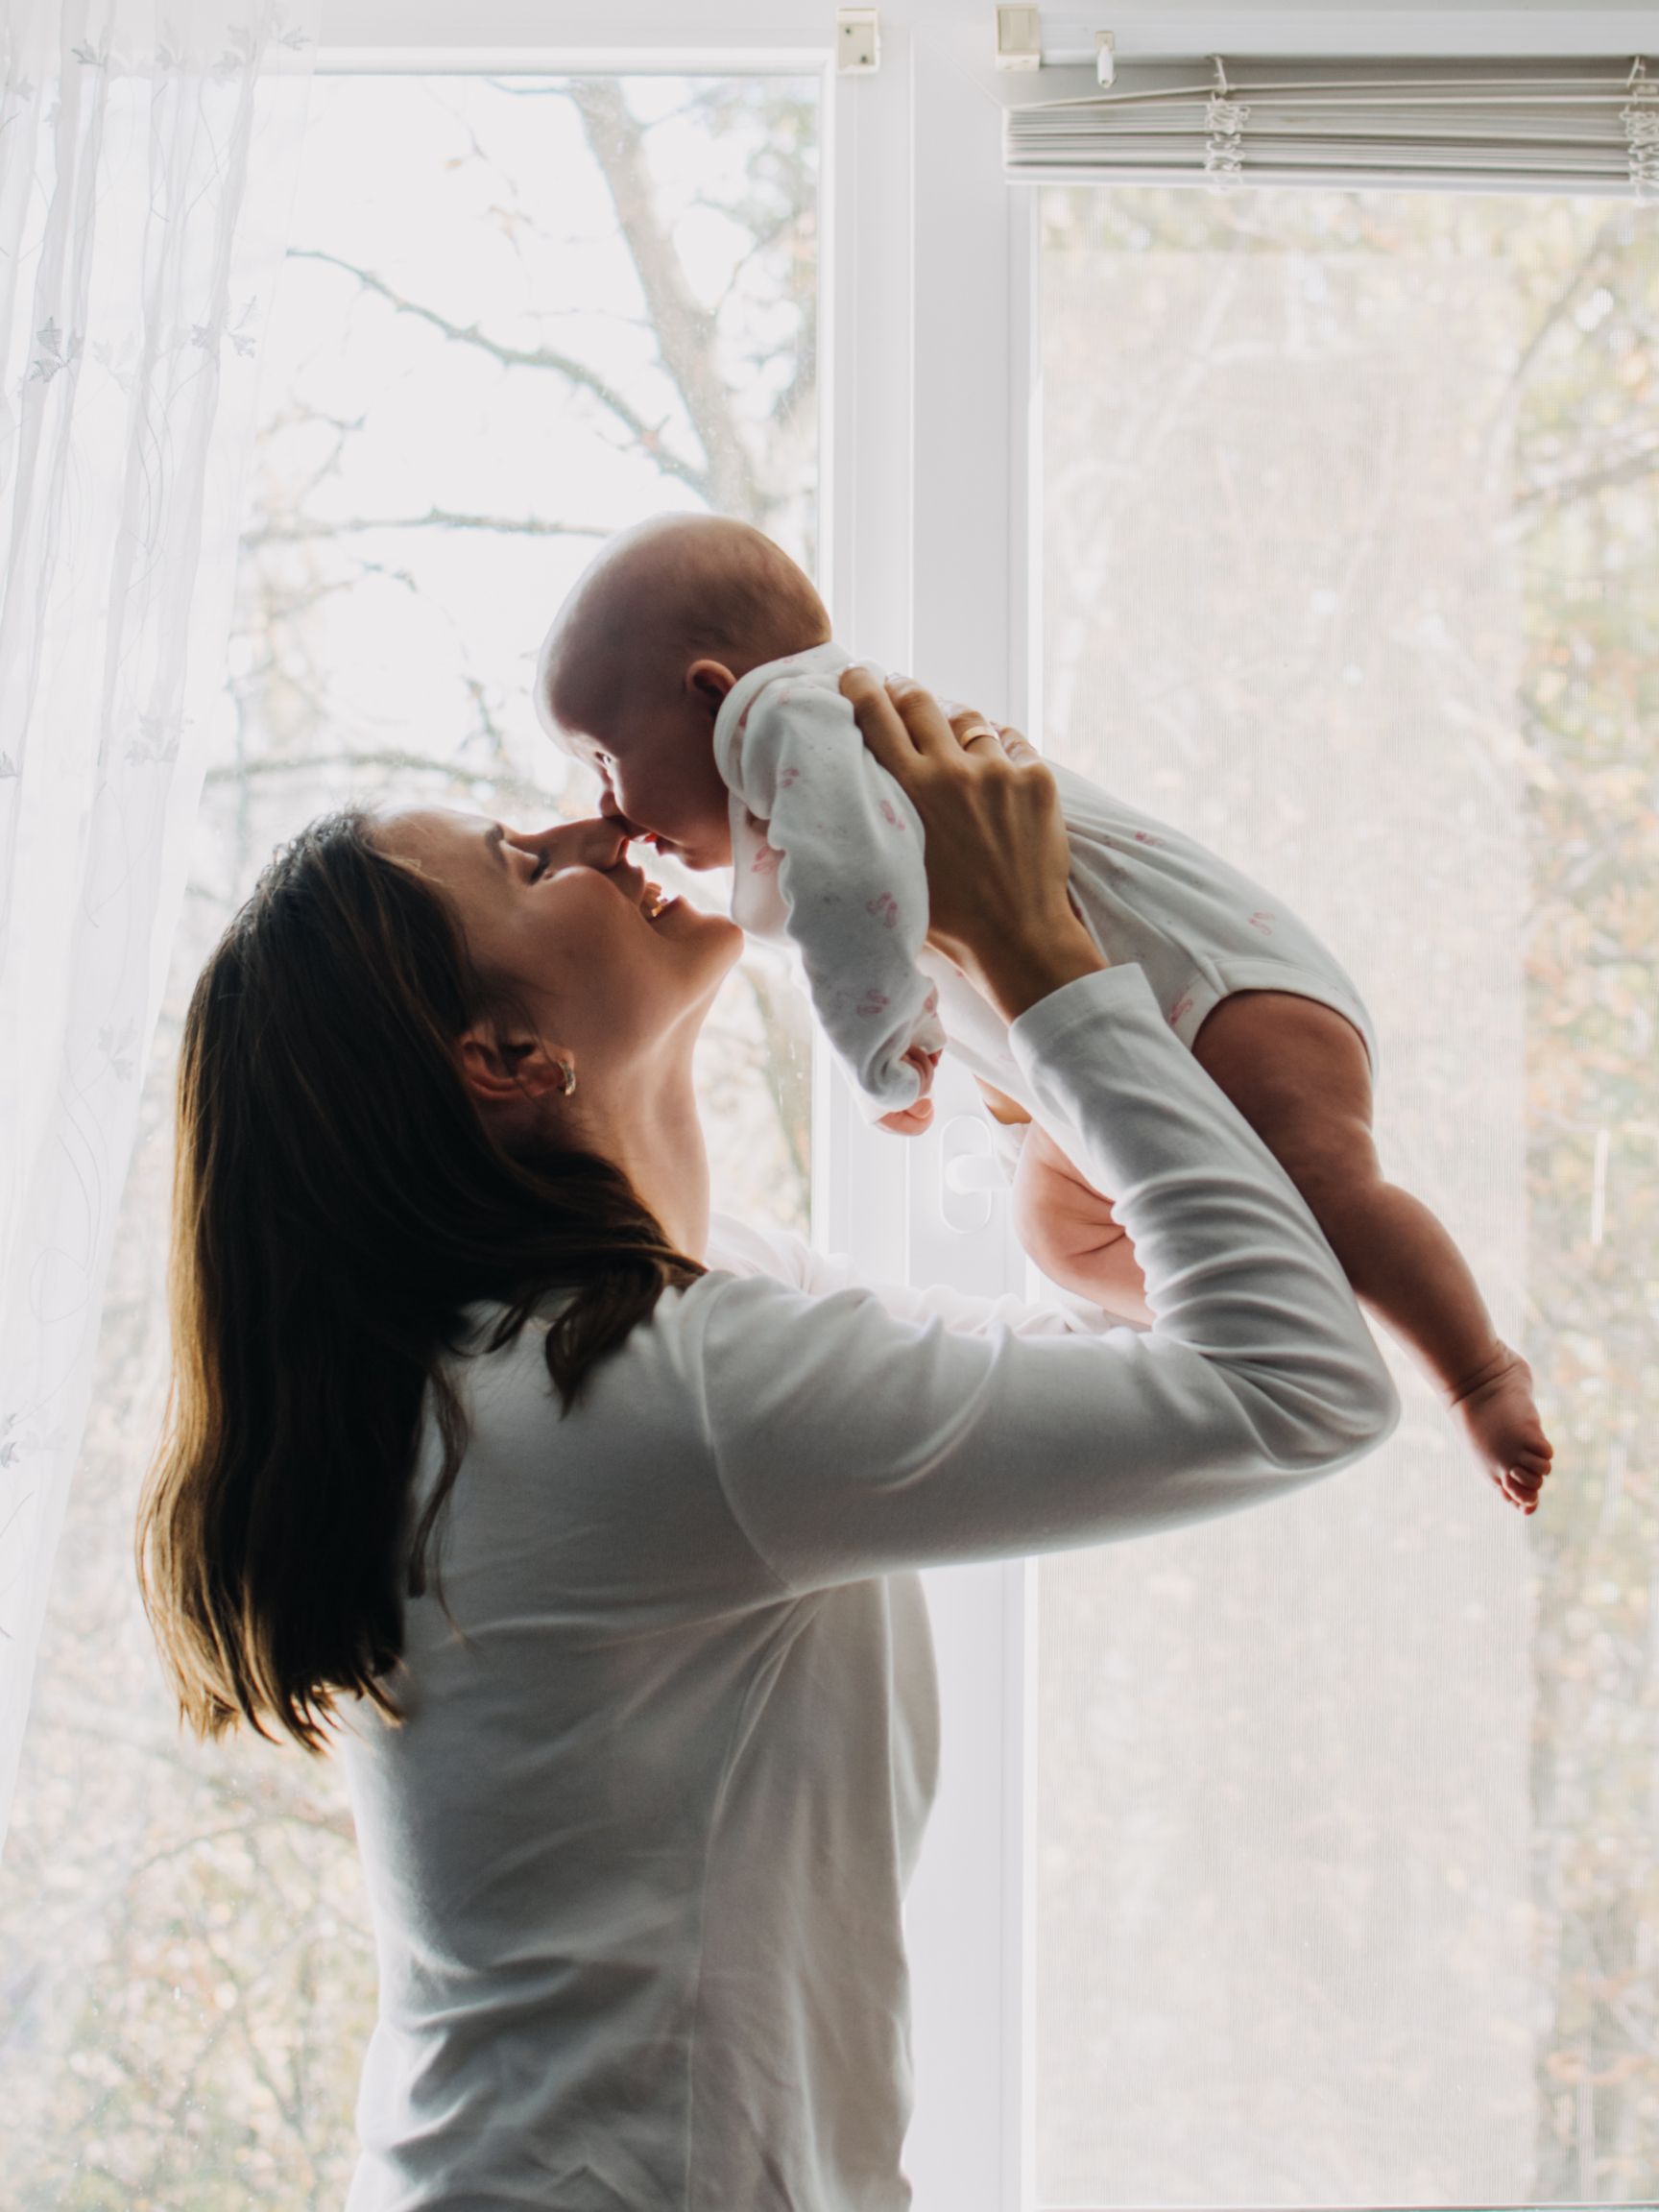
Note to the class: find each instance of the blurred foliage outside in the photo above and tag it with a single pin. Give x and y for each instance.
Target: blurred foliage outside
(1576, 438)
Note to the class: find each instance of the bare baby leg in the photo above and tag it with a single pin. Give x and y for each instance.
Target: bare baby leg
(1299, 1074)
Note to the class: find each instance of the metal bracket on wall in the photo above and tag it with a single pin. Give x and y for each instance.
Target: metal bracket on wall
(858, 42)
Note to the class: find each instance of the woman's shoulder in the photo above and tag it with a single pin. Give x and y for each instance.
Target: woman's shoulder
(739, 1248)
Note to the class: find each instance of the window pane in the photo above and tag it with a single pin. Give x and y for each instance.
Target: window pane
(474, 371)
(1346, 1884)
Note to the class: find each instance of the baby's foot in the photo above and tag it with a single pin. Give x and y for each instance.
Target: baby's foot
(1501, 1420)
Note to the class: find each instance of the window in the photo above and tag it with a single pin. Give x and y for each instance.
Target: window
(1343, 1849)
(139, 1867)
(518, 314)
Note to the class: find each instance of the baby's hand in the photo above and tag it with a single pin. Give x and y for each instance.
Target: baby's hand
(1069, 1230)
(912, 1121)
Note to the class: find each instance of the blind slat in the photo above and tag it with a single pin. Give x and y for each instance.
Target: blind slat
(1502, 126)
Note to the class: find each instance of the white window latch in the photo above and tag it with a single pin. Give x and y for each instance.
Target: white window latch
(858, 42)
(1018, 39)
(969, 1176)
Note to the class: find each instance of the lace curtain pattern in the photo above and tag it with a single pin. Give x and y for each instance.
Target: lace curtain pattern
(148, 154)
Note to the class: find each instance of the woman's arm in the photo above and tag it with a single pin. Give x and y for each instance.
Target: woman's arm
(852, 1443)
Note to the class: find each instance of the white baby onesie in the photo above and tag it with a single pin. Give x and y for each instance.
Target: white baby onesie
(827, 851)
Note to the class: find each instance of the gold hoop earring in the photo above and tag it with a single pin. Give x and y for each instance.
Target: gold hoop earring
(567, 1068)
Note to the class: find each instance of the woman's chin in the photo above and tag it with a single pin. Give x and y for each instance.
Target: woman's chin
(686, 923)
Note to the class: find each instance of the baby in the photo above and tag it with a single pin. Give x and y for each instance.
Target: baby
(693, 668)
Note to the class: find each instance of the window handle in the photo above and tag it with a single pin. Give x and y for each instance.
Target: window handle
(968, 1176)
(969, 1172)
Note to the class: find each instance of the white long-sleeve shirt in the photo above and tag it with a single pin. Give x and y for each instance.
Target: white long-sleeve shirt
(638, 1852)
(828, 850)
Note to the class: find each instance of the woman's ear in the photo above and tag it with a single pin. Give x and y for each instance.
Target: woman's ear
(507, 1070)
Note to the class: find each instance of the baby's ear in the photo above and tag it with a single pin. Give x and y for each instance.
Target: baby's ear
(710, 680)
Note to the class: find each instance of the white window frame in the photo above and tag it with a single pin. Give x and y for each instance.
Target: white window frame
(931, 413)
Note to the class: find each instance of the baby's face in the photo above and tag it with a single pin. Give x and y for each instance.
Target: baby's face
(658, 782)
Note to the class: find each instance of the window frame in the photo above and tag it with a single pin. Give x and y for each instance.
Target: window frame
(930, 428)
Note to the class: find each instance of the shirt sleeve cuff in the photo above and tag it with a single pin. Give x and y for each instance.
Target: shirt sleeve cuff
(1042, 1030)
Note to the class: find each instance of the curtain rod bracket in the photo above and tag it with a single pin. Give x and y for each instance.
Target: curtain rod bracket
(858, 42)
(1019, 37)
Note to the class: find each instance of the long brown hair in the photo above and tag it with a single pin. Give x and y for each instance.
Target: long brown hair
(337, 1202)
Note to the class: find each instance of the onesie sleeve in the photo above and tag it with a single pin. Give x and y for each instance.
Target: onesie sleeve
(850, 1441)
(844, 846)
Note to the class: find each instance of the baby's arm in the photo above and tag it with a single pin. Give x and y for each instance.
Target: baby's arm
(1064, 1223)
(1071, 1232)
(846, 847)
(1299, 1074)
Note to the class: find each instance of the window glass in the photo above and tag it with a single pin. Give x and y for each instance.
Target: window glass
(1345, 1887)
(516, 315)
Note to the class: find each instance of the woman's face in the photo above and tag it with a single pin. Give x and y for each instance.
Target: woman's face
(607, 968)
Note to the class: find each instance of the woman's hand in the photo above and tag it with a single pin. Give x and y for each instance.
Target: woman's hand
(998, 860)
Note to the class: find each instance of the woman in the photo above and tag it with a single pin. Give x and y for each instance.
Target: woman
(606, 1560)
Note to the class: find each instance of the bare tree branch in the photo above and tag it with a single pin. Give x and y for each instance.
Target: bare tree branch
(1566, 489)
(303, 527)
(566, 364)
(685, 330)
(501, 782)
(1594, 259)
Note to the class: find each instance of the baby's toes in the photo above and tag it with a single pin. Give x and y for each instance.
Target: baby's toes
(1524, 1483)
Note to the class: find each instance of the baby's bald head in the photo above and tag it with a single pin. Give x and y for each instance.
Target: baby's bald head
(658, 597)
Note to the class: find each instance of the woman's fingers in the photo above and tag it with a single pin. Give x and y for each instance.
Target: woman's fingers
(968, 726)
(900, 719)
(880, 722)
(931, 728)
(997, 854)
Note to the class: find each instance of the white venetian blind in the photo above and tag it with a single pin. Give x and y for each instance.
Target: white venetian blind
(1489, 125)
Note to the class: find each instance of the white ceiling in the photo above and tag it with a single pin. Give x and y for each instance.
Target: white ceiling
(1142, 27)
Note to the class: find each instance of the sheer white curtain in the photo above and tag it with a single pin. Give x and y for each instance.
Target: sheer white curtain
(148, 154)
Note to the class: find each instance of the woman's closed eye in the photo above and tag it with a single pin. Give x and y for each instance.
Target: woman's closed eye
(538, 862)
